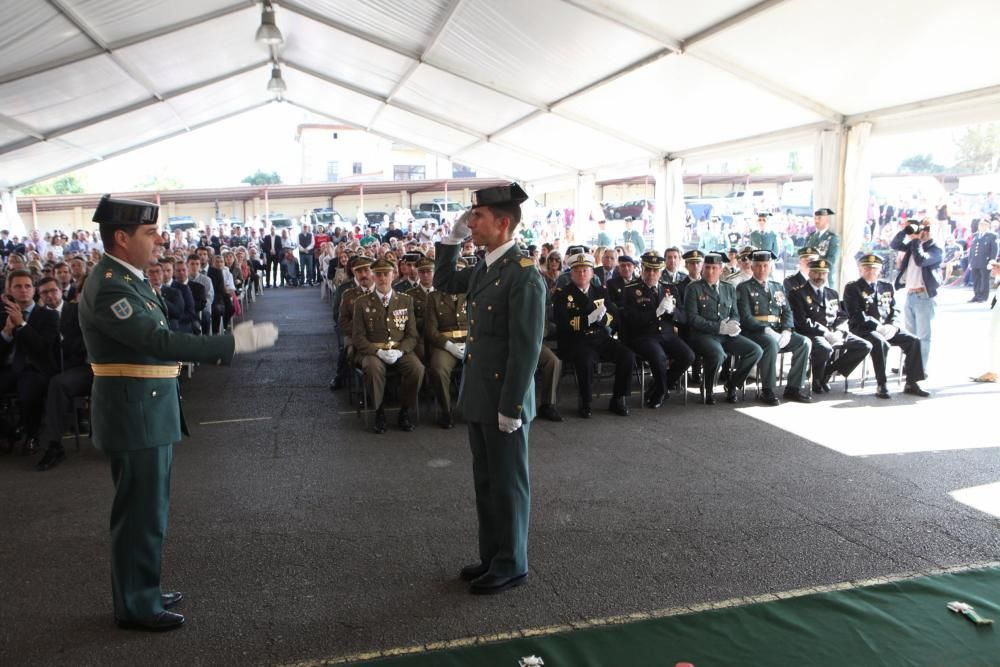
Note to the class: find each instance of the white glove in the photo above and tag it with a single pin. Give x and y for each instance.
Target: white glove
(729, 327)
(389, 356)
(454, 349)
(459, 230)
(784, 339)
(597, 314)
(887, 331)
(250, 337)
(508, 425)
(834, 337)
(773, 335)
(667, 305)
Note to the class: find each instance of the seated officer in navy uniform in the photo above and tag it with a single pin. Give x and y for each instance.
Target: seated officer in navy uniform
(714, 320)
(582, 313)
(871, 310)
(135, 408)
(766, 319)
(624, 276)
(807, 255)
(818, 314)
(652, 310)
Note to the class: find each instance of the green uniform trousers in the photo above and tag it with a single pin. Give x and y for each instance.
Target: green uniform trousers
(798, 345)
(503, 496)
(138, 526)
(714, 349)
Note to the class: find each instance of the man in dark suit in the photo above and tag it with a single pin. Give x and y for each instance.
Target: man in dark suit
(607, 270)
(188, 321)
(172, 300)
(273, 250)
(6, 245)
(871, 310)
(29, 335)
(817, 315)
(982, 250)
(73, 379)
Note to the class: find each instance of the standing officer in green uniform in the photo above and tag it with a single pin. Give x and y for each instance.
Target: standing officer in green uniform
(506, 306)
(603, 238)
(762, 238)
(826, 242)
(714, 321)
(766, 319)
(633, 236)
(135, 402)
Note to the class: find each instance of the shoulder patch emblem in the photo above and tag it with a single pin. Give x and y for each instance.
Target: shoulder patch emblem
(527, 262)
(122, 309)
(108, 274)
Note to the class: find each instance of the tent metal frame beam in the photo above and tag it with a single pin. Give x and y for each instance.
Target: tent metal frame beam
(730, 21)
(630, 23)
(708, 149)
(142, 144)
(121, 111)
(928, 104)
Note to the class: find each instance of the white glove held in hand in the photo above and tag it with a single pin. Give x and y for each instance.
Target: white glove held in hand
(454, 349)
(250, 337)
(597, 314)
(729, 327)
(667, 305)
(459, 230)
(887, 331)
(389, 356)
(508, 425)
(834, 337)
(784, 339)
(772, 334)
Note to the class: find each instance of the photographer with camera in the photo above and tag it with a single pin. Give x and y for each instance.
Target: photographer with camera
(918, 275)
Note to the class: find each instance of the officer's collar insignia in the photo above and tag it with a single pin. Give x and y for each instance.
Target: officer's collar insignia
(122, 309)
(127, 278)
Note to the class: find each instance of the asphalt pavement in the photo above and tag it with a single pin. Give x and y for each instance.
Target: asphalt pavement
(296, 535)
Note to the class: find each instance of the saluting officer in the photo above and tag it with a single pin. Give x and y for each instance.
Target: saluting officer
(807, 255)
(582, 314)
(652, 310)
(714, 321)
(385, 334)
(135, 401)
(506, 304)
(766, 319)
(818, 314)
(871, 310)
(446, 329)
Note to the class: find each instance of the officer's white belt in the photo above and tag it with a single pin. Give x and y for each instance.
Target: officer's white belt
(767, 318)
(145, 371)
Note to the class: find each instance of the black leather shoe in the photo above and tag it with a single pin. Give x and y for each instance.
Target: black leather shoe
(164, 621)
(379, 421)
(53, 457)
(654, 399)
(767, 397)
(619, 406)
(674, 386)
(489, 584)
(913, 389)
(170, 599)
(585, 411)
(710, 398)
(550, 412)
(446, 421)
(404, 421)
(882, 392)
(30, 446)
(731, 396)
(818, 387)
(797, 395)
(474, 571)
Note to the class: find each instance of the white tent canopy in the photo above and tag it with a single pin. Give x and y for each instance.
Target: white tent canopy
(532, 90)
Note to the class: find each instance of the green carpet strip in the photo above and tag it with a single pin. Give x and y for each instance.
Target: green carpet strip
(902, 623)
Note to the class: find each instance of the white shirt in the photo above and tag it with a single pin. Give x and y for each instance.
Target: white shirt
(385, 298)
(134, 271)
(494, 255)
(914, 276)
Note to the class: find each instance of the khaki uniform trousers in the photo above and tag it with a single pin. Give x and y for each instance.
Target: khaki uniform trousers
(411, 373)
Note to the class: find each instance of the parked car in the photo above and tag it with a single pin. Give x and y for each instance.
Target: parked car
(325, 216)
(633, 208)
(182, 222)
(440, 209)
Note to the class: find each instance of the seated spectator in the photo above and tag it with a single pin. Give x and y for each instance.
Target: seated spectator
(189, 321)
(290, 273)
(222, 305)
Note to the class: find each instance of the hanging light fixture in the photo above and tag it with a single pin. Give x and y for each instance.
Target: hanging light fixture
(268, 32)
(276, 86)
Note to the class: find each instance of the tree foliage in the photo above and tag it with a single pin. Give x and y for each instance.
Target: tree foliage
(261, 178)
(67, 184)
(159, 183)
(979, 149)
(920, 164)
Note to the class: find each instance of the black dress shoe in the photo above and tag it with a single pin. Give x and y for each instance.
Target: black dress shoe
(913, 389)
(731, 396)
(767, 397)
(489, 584)
(404, 421)
(818, 387)
(619, 406)
(53, 457)
(165, 620)
(170, 599)
(674, 386)
(446, 421)
(797, 395)
(550, 412)
(710, 398)
(379, 421)
(474, 571)
(30, 446)
(882, 392)
(585, 411)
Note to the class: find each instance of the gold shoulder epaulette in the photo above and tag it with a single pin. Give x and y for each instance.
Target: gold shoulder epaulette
(527, 262)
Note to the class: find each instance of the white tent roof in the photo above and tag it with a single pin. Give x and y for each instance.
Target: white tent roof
(530, 89)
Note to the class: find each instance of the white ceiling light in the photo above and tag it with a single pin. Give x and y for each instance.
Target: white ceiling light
(276, 86)
(268, 32)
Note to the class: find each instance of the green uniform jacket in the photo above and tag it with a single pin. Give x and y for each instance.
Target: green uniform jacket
(764, 306)
(603, 239)
(705, 309)
(828, 245)
(123, 322)
(635, 238)
(766, 240)
(506, 306)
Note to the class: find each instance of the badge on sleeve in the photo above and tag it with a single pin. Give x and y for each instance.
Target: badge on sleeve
(122, 309)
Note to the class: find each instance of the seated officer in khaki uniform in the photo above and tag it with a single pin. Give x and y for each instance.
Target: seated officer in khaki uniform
(135, 402)
(766, 319)
(344, 313)
(385, 334)
(445, 329)
(419, 293)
